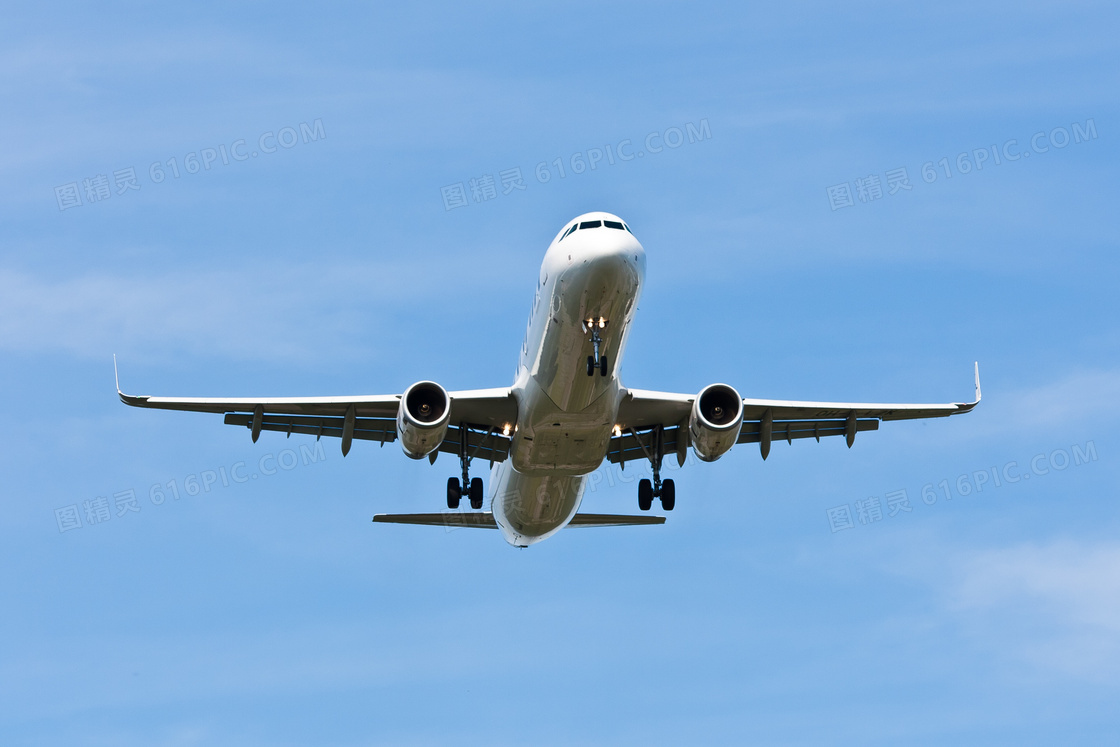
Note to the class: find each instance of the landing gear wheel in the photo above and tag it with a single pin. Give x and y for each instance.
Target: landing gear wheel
(668, 495)
(476, 493)
(645, 494)
(590, 365)
(603, 366)
(454, 492)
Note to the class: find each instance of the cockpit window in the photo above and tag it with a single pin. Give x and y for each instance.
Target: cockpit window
(566, 233)
(590, 224)
(627, 228)
(613, 224)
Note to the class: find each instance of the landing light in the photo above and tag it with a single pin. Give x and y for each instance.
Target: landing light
(617, 431)
(505, 429)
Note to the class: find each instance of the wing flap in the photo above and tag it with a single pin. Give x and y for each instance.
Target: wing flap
(627, 447)
(788, 430)
(486, 444)
(367, 429)
(364, 406)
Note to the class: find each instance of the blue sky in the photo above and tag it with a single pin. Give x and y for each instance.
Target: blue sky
(273, 612)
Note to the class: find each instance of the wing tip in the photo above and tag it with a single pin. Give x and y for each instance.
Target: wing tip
(128, 399)
(963, 407)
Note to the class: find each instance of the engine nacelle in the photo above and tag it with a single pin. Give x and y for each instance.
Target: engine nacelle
(422, 418)
(717, 417)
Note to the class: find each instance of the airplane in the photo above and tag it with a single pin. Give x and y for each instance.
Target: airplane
(567, 410)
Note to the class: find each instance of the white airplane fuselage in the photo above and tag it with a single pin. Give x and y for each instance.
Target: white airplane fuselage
(565, 417)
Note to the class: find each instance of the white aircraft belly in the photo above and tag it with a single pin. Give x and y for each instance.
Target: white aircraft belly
(605, 288)
(565, 417)
(530, 508)
(552, 441)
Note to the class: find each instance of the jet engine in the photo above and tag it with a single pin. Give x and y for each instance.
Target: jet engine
(717, 416)
(422, 419)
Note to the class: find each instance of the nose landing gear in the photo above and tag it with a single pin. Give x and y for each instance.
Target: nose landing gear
(596, 360)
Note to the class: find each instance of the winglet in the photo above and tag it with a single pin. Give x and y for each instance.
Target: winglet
(128, 399)
(977, 365)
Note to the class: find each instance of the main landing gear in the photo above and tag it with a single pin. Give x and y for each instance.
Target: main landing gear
(473, 485)
(455, 492)
(666, 490)
(596, 360)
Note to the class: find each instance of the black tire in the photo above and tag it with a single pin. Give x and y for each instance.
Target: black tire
(590, 365)
(454, 492)
(603, 366)
(645, 494)
(477, 495)
(668, 495)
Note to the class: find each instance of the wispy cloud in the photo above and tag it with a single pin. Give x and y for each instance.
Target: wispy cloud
(281, 313)
(1079, 397)
(1056, 605)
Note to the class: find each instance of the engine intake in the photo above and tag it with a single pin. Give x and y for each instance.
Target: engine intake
(422, 418)
(717, 417)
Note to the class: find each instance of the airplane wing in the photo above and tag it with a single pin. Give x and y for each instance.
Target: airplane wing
(646, 418)
(478, 415)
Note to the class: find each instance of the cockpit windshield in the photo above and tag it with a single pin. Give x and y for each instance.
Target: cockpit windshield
(617, 225)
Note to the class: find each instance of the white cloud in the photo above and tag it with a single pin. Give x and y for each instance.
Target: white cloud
(1055, 606)
(1081, 396)
(260, 313)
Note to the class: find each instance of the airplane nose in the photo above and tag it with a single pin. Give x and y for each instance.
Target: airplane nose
(612, 248)
(610, 261)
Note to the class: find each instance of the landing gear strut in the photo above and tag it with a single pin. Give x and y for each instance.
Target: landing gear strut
(473, 485)
(666, 490)
(596, 360)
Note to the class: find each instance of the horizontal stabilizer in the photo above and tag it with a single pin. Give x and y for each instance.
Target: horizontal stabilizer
(613, 520)
(485, 519)
(478, 520)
